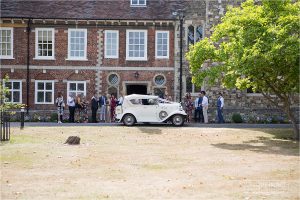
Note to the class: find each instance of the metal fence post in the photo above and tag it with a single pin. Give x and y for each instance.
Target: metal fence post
(22, 117)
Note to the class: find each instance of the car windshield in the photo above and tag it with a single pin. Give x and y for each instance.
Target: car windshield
(144, 101)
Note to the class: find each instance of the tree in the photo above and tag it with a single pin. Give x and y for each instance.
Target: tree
(4, 105)
(255, 45)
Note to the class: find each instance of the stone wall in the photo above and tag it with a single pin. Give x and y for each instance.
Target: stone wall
(253, 106)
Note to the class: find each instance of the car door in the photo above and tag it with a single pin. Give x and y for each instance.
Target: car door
(149, 111)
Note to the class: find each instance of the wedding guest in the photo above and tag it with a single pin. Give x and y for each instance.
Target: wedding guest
(220, 105)
(198, 113)
(204, 106)
(78, 108)
(71, 104)
(108, 110)
(188, 104)
(94, 108)
(102, 105)
(113, 104)
(120, 99)
(60, 107)
(84, 116)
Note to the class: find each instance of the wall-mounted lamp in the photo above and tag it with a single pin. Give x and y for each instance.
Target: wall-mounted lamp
(136, 74)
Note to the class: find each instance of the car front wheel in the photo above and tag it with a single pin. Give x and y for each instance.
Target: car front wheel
(128, 120)
(177, 120)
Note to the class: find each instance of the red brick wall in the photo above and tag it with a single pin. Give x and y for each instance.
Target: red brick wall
(143, 76)
(59, 85)
(152, 61)
(61, 49)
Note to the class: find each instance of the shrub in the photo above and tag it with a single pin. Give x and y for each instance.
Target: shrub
(53, 117)
(237, 118)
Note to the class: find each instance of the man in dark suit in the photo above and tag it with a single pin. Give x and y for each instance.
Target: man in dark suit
(94, 106)
(198, 115)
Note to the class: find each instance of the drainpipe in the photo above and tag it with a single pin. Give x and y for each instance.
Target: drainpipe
(28, 63)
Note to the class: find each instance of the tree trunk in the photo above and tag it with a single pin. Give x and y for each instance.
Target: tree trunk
(294, 122)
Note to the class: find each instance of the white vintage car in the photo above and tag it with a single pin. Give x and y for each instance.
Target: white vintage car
(149, 109)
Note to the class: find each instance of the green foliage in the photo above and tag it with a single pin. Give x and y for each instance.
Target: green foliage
(255, 46)
(53, 117)
(237, 118)
(4, 105)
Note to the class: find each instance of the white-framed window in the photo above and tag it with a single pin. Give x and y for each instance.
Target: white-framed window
(162, 44)
(76, 87)
(44, 43)
(6, 43)
(136, 44)
(14, 94)
(137, 2)
(111, 44)
(44, 92)
(77, 44)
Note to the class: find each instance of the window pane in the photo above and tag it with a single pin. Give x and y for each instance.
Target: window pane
(73, 86)
(80, 87)
(48, 86)
(8, 85)
(16, 96)
(40, 97)
(48, 97)
(40, 86)
(16, 85)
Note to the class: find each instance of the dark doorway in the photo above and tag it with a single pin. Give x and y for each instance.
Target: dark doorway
(136, 89)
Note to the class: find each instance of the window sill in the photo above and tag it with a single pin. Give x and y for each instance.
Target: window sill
(43, 103)
(138, 6)
(136, 59)
(7, 58)
(162, 58)
(77, 59)
(111, 57)
(36, 58)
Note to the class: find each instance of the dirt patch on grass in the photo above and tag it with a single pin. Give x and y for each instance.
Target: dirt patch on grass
(149, 163)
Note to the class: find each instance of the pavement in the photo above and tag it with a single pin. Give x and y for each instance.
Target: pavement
(197, 125)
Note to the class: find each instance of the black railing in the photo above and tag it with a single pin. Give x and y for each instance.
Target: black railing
(4, 126)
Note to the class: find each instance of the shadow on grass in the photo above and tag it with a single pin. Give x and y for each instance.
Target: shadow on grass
(280, 143)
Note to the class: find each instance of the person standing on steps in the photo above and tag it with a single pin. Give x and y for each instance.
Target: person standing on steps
(220, 105)
(204, 106)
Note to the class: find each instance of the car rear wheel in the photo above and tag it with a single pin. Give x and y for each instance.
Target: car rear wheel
(129, 120)
(177, 120)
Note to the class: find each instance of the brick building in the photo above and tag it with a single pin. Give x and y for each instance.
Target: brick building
(128, 46)
(86, 46)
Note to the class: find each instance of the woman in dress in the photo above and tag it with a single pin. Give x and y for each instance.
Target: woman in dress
(60, 107)
(188, 104)
(113, 104)
(108, 118)
(84, 112)
(78, 108)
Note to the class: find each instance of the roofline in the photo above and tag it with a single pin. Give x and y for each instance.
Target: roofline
(61, 18)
